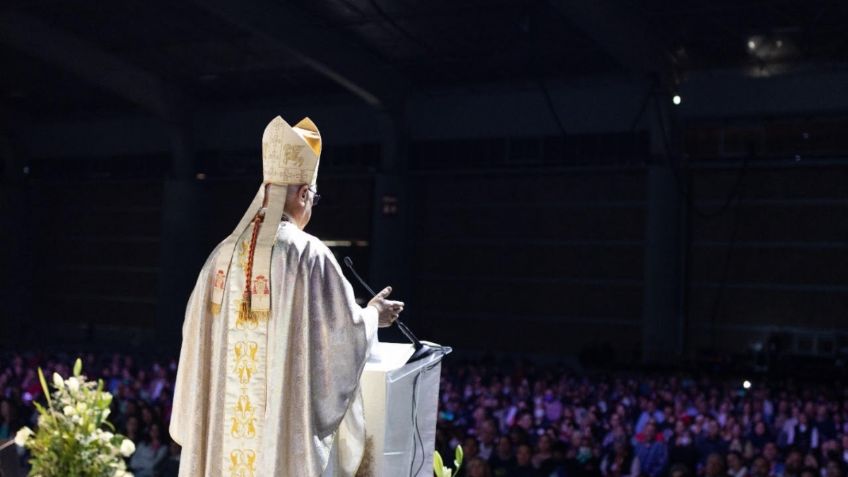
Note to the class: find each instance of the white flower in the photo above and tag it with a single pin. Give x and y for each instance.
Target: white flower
(22, 436)
(106, 413)
(122, 473)
(81, 407)
(106, 436)
(58, 381)
(69, 410)
(73, 384)
(127, 448)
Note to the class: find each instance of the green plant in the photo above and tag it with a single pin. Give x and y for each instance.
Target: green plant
(73, 437)
(439, 465)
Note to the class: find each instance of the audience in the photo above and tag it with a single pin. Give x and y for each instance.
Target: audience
(545, 421)
(522, 420)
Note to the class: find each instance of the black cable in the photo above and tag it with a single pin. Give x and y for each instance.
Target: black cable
(415, 420)
(415, 426)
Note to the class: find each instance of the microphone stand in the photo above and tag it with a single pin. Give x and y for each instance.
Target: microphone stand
(422, 350)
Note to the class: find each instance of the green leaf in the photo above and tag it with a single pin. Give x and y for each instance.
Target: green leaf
(77, 367)
(44, 386)
(438, 464)
(457, 461)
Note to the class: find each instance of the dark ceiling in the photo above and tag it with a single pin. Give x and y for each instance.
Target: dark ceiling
(439, 43)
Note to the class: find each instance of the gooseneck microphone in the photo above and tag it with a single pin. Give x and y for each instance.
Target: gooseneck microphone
(421, 349)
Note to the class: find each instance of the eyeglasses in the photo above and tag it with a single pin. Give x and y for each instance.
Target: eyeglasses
(316, 197)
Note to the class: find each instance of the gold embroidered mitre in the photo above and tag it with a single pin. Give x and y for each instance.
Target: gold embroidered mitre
(290, 155)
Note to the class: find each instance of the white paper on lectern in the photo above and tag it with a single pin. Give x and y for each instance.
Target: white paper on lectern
(388, 356)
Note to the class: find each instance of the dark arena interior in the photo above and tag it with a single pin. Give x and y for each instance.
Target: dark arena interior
(629, 219)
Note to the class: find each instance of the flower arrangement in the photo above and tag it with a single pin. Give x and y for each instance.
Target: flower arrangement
(443, 471)
(73, 437)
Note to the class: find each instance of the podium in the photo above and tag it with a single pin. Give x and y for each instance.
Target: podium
(401, 402)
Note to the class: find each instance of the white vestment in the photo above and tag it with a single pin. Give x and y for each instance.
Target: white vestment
(278, 396)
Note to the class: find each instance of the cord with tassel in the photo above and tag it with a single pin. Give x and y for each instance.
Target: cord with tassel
(244, 314)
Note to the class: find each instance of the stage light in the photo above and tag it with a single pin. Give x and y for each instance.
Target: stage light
(676, 99)
(752, 45)
(746, 384)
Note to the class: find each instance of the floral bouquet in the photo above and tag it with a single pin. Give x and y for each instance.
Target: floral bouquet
(73, 438)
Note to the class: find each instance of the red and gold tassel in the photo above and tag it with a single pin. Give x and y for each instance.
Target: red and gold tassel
(244, 313)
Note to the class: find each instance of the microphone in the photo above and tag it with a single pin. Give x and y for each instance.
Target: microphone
(421, 350)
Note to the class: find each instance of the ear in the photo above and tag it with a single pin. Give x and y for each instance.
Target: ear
(303, 193)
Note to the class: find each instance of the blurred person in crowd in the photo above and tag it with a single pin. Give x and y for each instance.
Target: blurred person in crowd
(759, 436)
(621, 462)
(502, 461)
(714, 466)
(793, 464)
(824, 423)
(710, 442)
(760, 467)
(543, 452)
(469, 447)
(478, 467)
(772, 457)
(810, 461)
(834, 468)
(652, 452)
(523, 465)
(149, 454)
(132, 430)
(649, 413)
(735, 465)
(810, 472)
(682, 447)
(486, 436)
(802, 435)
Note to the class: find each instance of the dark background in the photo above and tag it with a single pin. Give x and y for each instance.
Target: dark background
(516, 169)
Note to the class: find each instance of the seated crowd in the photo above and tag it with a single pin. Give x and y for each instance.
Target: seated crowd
(543, 421)
(524, 420)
